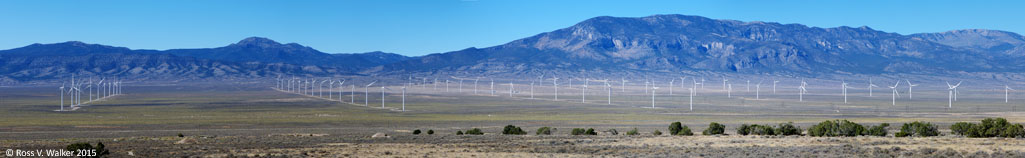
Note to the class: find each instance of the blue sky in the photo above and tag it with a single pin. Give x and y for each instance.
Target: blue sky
(419, 27)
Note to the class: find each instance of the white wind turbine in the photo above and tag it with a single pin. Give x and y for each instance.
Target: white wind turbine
(758, 90)
(608, 87)
(843, 86)
(555, 82)
(320, 88)
(895, 94)
(653, 88)
(748, 85)
(532, 89)
(341, 86)
(724, 80)
(909, 87)
(695, 87)
(403, 98)
(511, 86)
(729, 90)
(691, 98)
(870, 85)
(62, 96)
(492, 86)
(774, 86)
(702, 83)
(950, 94)
(646, 82)
(802, 89)
(352, 94)
(671, 86)
(583, 92)
(475, 85)
(682, 81)
(382, 95)
(623, 85)
(1007, 90)
(366, 94)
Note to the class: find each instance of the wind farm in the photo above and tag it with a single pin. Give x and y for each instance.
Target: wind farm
(604, 86)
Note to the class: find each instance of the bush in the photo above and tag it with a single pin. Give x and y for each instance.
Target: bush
(1014, 131)
(994, 127)
(590, 131)
(761, 130)
(181, 135)
(714, 129)
(513, 130)
(787, 129)
(879, 130)
(578, 131)
(612, 132)
(744, 129)
(100, 149)
(675, 127)
(685, 131)
(837, 128)
(430, 132)
(919, 129)
(459, 132)
(416, 132)
(656, 132)
(545, 131)
(632, 132)
(961, 128)
(475, 131)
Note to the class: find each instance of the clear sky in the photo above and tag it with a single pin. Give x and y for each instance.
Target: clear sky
(418, 27)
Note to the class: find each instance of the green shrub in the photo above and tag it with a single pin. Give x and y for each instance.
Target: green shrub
(430, 132)
(656, 132)
(879, 130)
(590, 131)
(416, 132)
(714, 129)
(961, 128)
(1014, 131)
(459, 132)
(578, 131)
(475, 131)
(513, 130)
(918, 129)
(632, 132)
(545, 131)
(787, 129)
(181, 135)
(675, 127)
(744, 129)
(994, 127)
(100, 149)
(761, 130)
(685, 131)
(837, 128)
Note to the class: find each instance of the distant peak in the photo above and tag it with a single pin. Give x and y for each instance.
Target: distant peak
(257, 41)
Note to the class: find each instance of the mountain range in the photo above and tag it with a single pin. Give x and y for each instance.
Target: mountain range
(600, 46)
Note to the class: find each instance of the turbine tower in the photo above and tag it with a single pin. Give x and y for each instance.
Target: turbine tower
(691, 98)
(653, 88)
(366, 94)
(671, 86)
(609, 88)
(844, 87)
(555, 82)
(895, 94)
(583, 92)
(801, 90)
(950, 94)
(870, 85)
(758, 90)
(1007, 90)
(909, 87)
(774, 86)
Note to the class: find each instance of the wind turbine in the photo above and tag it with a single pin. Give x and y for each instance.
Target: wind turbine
(62, 96)
(330, 85)
(950, 94)
(653, 88)
(909, 87)
(492, 86)
(403, 99)
(1007, 90)
(321, 89)
(646, 82)
(691, 98)
(366, 94)
(774, 86)
(624, 85)
(341, 86)
(748, 85)
(382, 95)
(583, 92)
(352, 94)
(608, 86)
(695, 87)
(682, 81)
(844, 87)
(475, 85)
(802, 89)
(671, 86)
(511, 86)
(870, 85)
(758, 90)
(724, 80)
(555, 82)
(895, 94)
(531, 89)
(729, 91)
